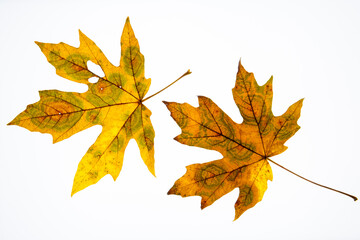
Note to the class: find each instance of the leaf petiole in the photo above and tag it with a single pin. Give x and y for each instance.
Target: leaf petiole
(187, 73)
(332, 189)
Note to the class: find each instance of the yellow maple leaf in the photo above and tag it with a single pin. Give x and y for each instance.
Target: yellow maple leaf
(245, 147)
(115, 102)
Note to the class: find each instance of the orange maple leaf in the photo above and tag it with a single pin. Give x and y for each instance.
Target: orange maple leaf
(245, 147)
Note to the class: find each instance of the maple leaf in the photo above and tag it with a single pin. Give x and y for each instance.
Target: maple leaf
(115, 102)
(245, 147)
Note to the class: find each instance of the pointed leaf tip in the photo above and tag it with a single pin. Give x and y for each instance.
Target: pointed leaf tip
(80, 32)
(40, 44)
(270, 79)
(171, 191)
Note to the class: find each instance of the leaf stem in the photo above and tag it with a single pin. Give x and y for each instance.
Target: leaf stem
(187, 73)
(332, 189)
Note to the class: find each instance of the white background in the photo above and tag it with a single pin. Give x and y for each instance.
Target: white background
(312, 48)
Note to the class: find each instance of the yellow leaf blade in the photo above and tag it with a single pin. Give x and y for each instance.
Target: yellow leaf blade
(60, 114)
(132, 64)
(144, 135)
(104, 157)
(68, 61)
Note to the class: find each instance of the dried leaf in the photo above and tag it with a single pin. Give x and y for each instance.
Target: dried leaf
(115, 102)
(245, 147)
